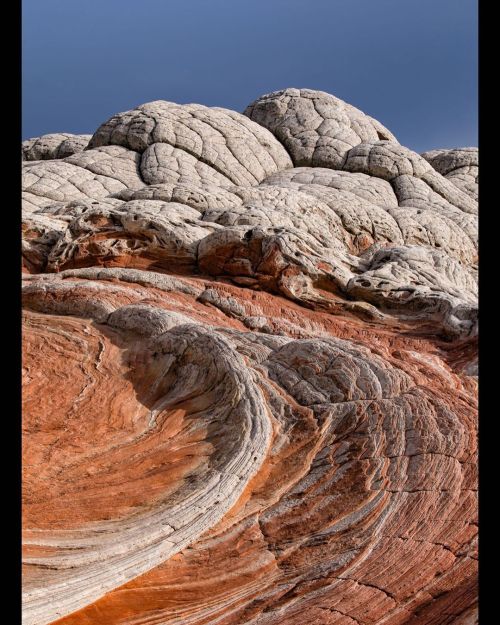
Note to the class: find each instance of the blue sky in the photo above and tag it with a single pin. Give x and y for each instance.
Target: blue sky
(412, 64)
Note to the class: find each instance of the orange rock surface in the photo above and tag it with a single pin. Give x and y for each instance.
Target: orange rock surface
(249, 372)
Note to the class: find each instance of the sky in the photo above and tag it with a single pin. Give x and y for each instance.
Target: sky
(411, 64)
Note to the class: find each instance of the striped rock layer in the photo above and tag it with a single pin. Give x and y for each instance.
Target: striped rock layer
(249, 371)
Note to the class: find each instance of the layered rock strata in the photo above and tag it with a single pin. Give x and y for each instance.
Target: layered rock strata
(249, 371)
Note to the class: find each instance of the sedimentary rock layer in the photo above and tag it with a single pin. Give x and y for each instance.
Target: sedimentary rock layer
(249, 371)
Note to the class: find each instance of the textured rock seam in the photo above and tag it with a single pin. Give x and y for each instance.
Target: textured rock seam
(249, 370)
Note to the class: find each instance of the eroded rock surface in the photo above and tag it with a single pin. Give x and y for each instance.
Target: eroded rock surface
(249, 371)
(58, 145)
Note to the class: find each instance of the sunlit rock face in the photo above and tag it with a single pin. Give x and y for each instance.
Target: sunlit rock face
(249, 371)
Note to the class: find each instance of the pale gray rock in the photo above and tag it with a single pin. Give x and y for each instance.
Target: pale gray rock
(31, 202)
(375, 190)
(466, 179)
(280, 206)
(459, 165)
(423, 216)
(412, 191)
(93, 174)
(388, 160)
(364, 223)
(162, 163)
(446, 160)
(224, 140)
(160, 281)
(188, 187)
(111, 161)
(420, 282)
(316, 372)
(95, 301)
(146, 319)
(59, 181)
(53, 146)
(65, 211)
(229, 305)
(415, 193)
(428, 228)
(316, 128)
(202, 197)
(162, 233)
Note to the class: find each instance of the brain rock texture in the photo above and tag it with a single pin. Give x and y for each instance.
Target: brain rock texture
(249, 371)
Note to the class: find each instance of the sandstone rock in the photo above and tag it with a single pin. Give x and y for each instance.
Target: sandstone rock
(249, 371)
(388, 160)
(223, 140)
(393, 274)
(375, 190)
(148, 232)
(58, 145)
(201, 197)
(364, 223)
(459, 165)
(316, 128)
(60, 181)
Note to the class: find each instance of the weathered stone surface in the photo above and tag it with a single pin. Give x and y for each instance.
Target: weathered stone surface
(201, 197)
(224, 140)
(151, 233)
(459, 165)
(375, 190)
(58, 145)
(61, 181)
(421, 270)
(316, 128)
(249, 371)
(389, 160)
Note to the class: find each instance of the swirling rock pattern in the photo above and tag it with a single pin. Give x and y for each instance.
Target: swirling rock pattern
(249, 371)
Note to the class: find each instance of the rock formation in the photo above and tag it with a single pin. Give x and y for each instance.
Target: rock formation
(249, 371)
